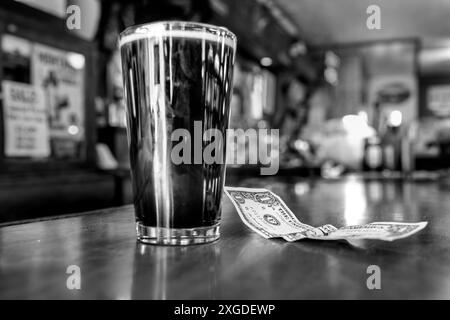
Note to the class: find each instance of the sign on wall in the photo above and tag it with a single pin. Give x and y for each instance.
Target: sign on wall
(26, 126)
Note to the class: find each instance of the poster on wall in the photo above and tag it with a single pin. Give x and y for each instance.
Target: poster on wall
(25, 126)
(61, 76)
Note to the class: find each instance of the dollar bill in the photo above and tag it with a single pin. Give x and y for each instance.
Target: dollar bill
(387, 231)
(266, 214)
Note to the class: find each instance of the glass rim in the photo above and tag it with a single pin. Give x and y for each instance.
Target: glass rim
(177, 28)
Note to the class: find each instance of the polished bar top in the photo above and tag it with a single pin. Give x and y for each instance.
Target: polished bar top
(34, 257)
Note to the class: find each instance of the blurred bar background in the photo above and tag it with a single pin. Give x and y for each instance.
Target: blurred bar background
(346, 99)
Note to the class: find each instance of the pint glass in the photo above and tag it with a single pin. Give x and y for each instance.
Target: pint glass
(178, 81)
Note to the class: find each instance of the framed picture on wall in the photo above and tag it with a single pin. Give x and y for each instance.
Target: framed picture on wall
(39, 77)
(51, 69)
(438, 100)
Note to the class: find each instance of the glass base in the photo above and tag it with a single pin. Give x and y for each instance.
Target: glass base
(177, 236)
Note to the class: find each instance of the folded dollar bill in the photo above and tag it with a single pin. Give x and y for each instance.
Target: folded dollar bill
(266, 214)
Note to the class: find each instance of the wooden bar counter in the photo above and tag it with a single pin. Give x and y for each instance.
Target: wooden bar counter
(35, 256)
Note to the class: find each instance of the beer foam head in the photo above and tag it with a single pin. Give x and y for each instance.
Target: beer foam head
(179, 29)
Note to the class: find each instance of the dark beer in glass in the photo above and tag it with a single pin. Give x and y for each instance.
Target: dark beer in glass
(178, 79)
